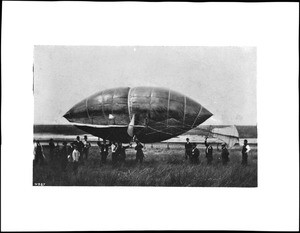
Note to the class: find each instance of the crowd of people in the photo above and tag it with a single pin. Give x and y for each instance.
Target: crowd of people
(192, 153)
(78, 151)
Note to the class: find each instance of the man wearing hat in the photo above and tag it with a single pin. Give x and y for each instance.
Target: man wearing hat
(188, 148)
(79, 145)
(86, 147)
(103, 146)
(245, 151)
(139, 152)
(224, 154)
(208, 152)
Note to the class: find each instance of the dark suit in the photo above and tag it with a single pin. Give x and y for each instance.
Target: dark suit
(188, 150)
(139, 152)
(39, 158)
(208, 152)
(80, 146)
(103, 151)
(195, 156)
(244, 156)
(225, 155)
(64, 157)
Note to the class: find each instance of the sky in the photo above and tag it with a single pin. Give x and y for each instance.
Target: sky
(222, 79)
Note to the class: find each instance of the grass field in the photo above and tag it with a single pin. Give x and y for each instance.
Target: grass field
(161, 167)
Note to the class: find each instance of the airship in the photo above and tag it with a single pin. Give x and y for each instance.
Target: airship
(150, 114)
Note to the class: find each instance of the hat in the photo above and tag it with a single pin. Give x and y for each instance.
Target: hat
(223, 144)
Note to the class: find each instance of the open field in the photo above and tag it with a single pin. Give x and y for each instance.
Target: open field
(161, 167)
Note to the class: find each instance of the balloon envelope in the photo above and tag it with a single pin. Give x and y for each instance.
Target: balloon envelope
(158, 114)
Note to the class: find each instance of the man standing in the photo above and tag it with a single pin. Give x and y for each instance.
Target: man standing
(122, 153)
(114, 152)
(224, 154)
(86, 147)
(188, 148)
(79, 145)
(38, 153)
(103, 150)
(76, 156)
(139, 152)
(208, 152)
(245, 150)
(64, 156)
(195, 154)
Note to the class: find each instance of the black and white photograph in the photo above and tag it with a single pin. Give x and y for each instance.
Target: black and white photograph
(126, 116)
(145, 116)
